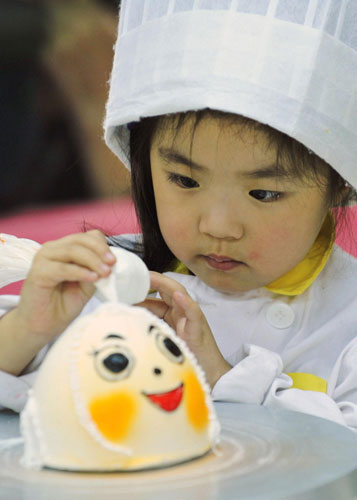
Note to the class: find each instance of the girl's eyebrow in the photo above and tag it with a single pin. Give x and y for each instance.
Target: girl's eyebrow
(173, 156)
(266, 172)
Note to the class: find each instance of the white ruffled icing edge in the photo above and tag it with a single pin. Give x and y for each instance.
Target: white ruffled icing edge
(35, 449)
(214, 425)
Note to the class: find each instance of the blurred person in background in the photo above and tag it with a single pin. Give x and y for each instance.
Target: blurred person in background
(53, 75)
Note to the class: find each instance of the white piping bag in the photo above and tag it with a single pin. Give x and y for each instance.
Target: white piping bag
(129, 281)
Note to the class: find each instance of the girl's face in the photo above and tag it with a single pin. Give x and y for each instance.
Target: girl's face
(224, 212)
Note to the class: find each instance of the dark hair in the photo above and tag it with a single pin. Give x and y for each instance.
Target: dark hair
(292, 158)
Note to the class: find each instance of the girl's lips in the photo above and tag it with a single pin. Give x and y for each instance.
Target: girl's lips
(221, 262)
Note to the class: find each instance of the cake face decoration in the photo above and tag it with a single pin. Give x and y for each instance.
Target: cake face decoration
(126, 394)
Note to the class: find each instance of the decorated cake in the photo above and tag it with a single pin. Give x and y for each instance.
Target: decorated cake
(118, 391)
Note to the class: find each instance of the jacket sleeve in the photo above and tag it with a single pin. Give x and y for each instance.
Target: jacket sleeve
(259, 379)
(13, 389)
(343, 384)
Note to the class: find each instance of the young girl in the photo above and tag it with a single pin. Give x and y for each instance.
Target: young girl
(238, 121)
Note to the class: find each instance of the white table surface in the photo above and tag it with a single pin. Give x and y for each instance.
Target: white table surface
(264, 454)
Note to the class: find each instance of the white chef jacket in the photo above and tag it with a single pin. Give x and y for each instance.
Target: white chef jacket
(293, 352)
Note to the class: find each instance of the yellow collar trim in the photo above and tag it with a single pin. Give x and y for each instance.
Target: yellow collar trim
(308, 382)
(181, 268)
(296, 281)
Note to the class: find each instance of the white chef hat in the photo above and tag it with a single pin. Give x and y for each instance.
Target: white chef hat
(291, 64)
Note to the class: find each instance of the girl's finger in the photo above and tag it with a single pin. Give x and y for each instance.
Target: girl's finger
(93, 240)
(181, 326)
(191, 309)
(74, 254)
(156, 306)
(57, 272)
(189, 319)
(165, 286)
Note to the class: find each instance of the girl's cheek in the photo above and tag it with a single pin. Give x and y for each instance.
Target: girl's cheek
(179, 225)
(254, 255)
(174, 231)
(273, 240)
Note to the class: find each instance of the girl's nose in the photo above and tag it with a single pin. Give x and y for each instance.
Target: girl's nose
(222, 221)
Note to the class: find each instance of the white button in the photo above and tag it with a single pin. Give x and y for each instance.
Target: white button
(280, 315)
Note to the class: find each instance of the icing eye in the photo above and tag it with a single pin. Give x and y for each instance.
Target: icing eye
(169, 348)
(113, 363)
(116, 362)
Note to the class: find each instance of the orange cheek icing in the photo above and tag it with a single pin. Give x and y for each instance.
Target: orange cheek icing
(114, 414)
(197, 411)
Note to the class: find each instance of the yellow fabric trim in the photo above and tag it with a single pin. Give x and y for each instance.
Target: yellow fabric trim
(181, 268)
(308, 382)
(296, 281)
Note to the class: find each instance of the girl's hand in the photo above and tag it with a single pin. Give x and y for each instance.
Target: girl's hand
(185, 316)
(60, 283)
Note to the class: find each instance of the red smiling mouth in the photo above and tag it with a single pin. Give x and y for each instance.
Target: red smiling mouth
(167, 401)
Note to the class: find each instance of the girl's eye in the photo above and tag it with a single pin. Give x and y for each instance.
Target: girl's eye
(265, 196)
(183, 181)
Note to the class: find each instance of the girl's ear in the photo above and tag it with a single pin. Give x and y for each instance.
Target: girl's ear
(343, 194)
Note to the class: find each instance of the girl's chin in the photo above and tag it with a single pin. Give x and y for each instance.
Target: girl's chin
(226, 284)
(236, 280)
